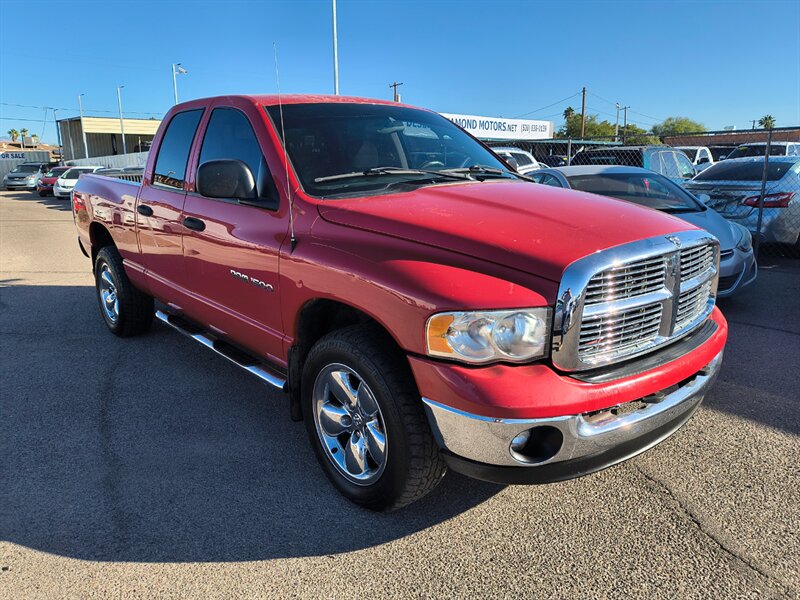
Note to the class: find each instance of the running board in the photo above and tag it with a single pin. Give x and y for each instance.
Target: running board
(236, 356)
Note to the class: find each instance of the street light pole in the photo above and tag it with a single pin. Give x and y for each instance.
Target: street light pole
(83, 131)
(121, 122)
(177, 69)
(335, 54)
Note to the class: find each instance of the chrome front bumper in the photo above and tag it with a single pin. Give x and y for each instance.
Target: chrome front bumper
(635, 426)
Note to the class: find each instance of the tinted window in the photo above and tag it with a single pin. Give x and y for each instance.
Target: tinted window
(173, 153)
(551, 181)
(750, 170)
(648, 189)
(631, 158)
(26, 169)
(522, 159)
(75, 173)
(758, 150)
(690, 152)
(348, 139)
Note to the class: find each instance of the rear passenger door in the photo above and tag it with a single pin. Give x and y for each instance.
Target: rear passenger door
(230, 248)
(158, 211)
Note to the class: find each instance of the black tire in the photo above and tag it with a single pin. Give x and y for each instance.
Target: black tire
(135, 309)
(413, 466)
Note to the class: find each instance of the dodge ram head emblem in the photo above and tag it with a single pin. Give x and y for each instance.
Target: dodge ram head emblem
(675, 240)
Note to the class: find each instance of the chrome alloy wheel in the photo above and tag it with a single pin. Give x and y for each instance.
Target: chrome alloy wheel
(108, 294)
(349, 424)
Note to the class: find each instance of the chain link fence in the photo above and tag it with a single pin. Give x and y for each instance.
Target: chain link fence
(749, 177)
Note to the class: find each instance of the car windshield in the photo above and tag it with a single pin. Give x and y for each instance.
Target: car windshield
(57, 172)
(757, 150)
(749, 170)
(648, 189)
(351, 149)
(26, 169)
(75, 173)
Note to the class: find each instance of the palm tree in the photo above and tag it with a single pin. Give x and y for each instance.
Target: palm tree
(767, 122)
(23, 132)
(568, 112)
(14, 134)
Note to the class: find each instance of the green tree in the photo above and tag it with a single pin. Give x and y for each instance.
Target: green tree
(23, 132)
(636, 136)
(568, 112)
(594, 127)
(14, 134)
(767, 122)
(677, 125)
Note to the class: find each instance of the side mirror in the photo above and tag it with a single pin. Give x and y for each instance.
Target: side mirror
(226, 178)
(512, 162)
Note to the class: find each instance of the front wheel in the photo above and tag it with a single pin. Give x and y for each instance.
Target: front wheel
(125, 310)
(365, 420)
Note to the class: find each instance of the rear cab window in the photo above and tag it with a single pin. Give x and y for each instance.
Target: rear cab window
(173, 153)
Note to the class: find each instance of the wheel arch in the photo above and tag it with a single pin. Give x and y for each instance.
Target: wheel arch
(99, 237)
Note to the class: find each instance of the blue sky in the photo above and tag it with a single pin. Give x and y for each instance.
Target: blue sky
(721, 63)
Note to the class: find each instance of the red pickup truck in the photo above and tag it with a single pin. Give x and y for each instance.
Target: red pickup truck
(422, 305)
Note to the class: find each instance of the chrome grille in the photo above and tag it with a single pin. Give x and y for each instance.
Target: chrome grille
(691, 304)
(626, 281)
(624, 301)
(619, 333)
(695, 261)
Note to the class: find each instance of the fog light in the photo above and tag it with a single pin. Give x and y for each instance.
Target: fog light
(518, 443)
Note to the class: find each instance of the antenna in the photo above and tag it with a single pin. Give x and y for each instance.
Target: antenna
(292, 239)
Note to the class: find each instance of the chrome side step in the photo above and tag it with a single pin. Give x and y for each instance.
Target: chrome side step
(259, 370)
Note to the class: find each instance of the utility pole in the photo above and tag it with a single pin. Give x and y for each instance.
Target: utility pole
(335, 54)
(616, 127)
(177, 69)
(58, 134)
(121, 122)
(625, 123)
(583, 112)
(754, 123)
(396, 95)
(83, 131)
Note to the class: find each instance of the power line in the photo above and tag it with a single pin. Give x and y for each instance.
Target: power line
(129, 112)
(27, 120)
(548, 106)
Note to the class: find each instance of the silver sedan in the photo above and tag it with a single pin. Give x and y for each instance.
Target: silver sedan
(733, 188)
(644, 187)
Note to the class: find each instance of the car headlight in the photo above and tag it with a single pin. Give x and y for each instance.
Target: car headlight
(517, 335)
(745, 239)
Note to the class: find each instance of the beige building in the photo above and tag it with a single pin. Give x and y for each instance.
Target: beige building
(104, 136)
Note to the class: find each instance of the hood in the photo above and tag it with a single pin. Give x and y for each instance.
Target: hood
(48, 180)
(66, 183)
(713, 223)
(530, 227)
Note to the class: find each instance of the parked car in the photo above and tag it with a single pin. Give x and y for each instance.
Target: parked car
(64, 185)
(661, 159)
(26, 176)
(733, 189)
(760, 149)
(553, 160)
(737, 267)
(523, 161)
(48, 180)
(699, 155)
(423, 306)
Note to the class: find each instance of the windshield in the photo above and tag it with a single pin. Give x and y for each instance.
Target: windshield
(26, 169)
(757, 150)
(57, 172)
(75, 173)
(648, 189)
(690, 152)
(749, 170)
(357, 141)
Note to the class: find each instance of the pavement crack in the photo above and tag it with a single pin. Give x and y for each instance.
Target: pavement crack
(785, 588)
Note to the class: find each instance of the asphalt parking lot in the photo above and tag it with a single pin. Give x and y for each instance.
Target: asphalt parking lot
(131, 468)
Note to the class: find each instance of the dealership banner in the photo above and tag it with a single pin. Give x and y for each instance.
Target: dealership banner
(498, 128)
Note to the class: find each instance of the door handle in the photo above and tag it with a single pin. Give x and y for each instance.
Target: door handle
(144, 210)
(194, 224)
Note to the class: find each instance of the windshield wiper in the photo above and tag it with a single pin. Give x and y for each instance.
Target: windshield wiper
(488, 171)
(394, 171)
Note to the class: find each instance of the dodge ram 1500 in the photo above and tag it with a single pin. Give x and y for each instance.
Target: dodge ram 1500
(421, 305)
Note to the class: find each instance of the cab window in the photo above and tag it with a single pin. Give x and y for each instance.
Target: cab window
(173, 154)
(229, 136)
(685, 168)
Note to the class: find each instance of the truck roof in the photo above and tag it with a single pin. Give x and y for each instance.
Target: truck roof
(274, 99)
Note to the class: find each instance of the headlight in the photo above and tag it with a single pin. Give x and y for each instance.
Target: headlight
(518, 335)
(745, 241)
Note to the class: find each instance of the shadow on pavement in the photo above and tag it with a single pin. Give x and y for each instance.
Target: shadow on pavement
(153, 449)
(62, 204)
